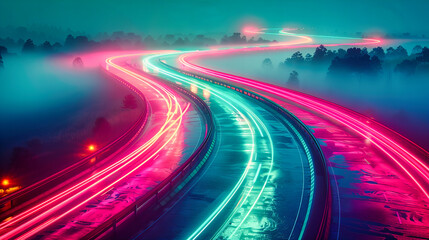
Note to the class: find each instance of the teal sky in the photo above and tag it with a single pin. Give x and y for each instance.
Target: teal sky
(201, 16)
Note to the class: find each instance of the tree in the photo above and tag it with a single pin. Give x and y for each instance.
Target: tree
(28, 46)
(234, 39)
(118, 35)
(261, 40)
(81, 42)
(401, 52)
(201, 40)
(251, 40)
(165, 44)
(1, 61)
(224, 39)
(424, 55)
(267, 63)
(77, 62)
(3, 50)
(330, 55)
(390, 52)
(407, 67)
(70, 42)
(378, 52)
(341, 53)
(375, 65)
(293, 80)
(129, 102)
(169, 38)
(319, 54)
(149, 41)
(308, 57)
(56, 46)
(398, 53)
(295, 59)
(47, 47)
(179, 42)
(355, 61)
(417, 49)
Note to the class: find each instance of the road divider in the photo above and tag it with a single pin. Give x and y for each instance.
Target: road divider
(318, 214)
(175, 181)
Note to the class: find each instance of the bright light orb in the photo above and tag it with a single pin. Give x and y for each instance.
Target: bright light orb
(91, 147)
(5, 182)
(250, 30)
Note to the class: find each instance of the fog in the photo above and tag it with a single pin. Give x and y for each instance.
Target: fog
(49, 110)
(202, 16)
(398, 101)
(31, 90)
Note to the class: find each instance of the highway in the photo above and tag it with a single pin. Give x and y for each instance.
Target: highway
(373, 169)
(221, 156)
(259, 155)
(86, 200)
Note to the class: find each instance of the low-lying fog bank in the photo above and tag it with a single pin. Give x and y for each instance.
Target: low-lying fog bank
(51, 113)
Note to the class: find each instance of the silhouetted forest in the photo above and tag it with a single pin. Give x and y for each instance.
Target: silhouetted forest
(237, 38)
(352, 61)
(116, 41)
(360, 61)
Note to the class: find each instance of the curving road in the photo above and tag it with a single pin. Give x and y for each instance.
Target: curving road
(284, 164)
(373, 169)
(86, 200)
(255, 143)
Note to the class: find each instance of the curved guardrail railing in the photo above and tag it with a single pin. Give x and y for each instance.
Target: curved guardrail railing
(174, 180)
(10, 202)
(319, 219)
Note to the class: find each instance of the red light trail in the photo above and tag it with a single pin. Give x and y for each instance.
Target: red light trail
(386, 147)
(378, 137)
(404, 154)
(36, 218)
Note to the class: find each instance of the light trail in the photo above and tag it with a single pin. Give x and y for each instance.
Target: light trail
(153, 156)
(407, 158)
(254, 180)
(33, 220)
(302, 42)
(148, 63)
(400, 151)
(387, 145)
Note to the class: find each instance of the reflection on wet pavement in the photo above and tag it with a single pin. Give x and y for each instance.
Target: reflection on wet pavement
(372, 198)
(274, 192)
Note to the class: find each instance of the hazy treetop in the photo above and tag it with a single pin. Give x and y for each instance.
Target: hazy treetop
(204, 16)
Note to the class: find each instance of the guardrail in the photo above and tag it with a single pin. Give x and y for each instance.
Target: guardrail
(10, 202)
(175, 180)
(319, 220)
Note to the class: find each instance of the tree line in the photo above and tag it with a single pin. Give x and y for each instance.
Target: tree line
(361, 61)
(119, 41)
(123, 41)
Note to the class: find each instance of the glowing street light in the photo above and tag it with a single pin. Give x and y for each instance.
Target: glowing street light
(91, 147)
(5, 182)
